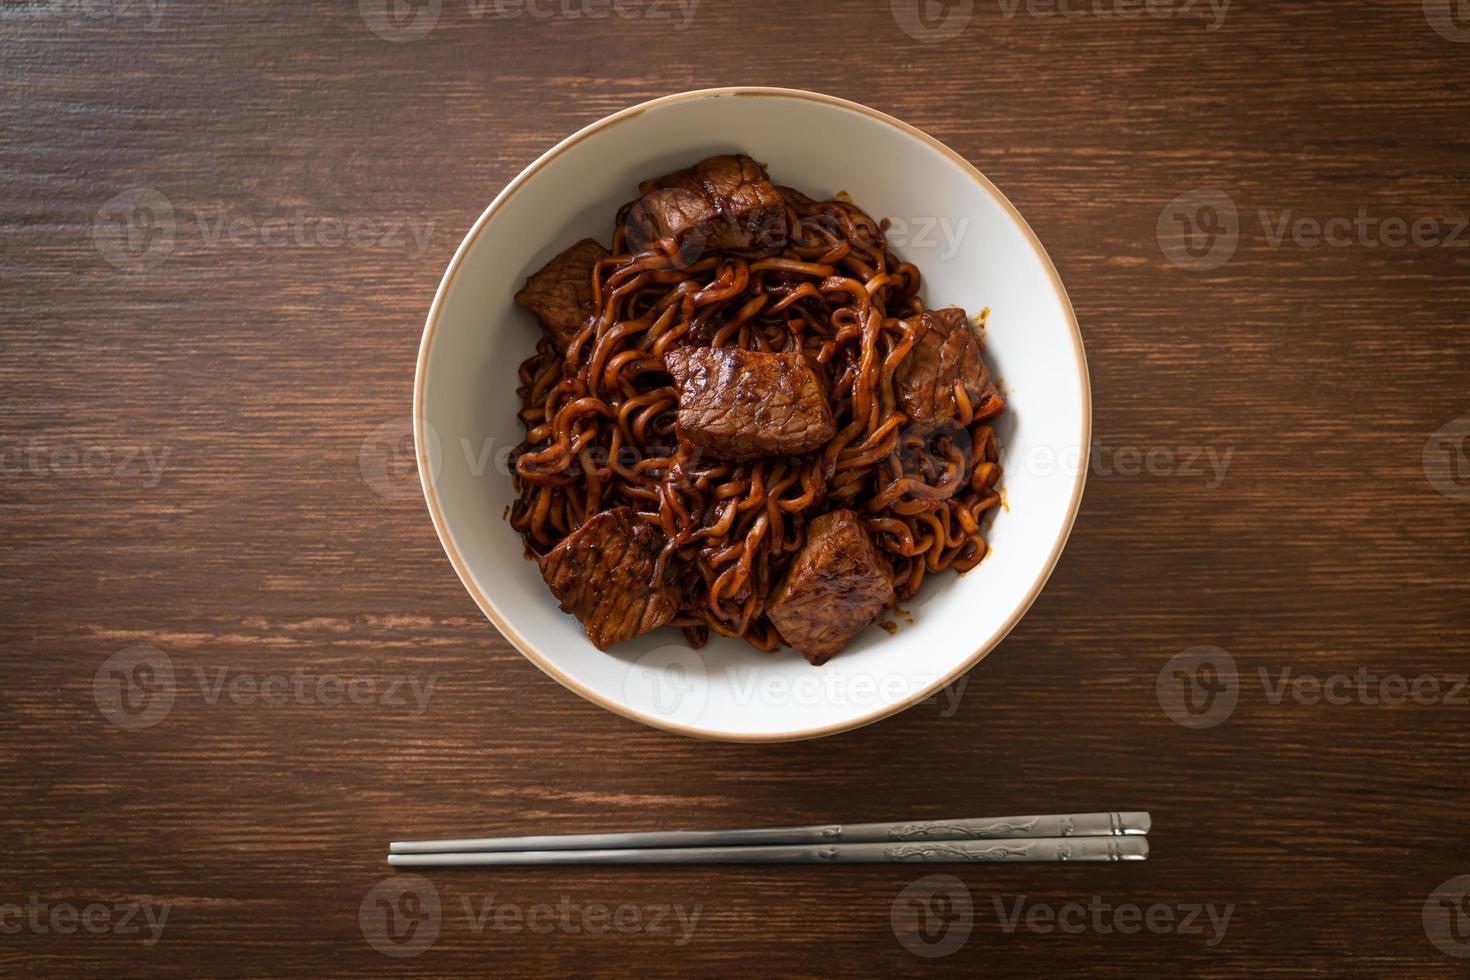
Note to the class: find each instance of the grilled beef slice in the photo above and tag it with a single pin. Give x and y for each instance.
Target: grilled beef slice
(834, 588)
(561, 293)
(740, 404)
(947, 351)
(725, 202)
(603, 573)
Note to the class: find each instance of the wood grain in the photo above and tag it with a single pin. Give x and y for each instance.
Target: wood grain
(254, 371)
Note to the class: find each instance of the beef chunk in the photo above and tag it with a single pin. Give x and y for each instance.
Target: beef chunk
(740, 404)
(603, 573)
(947, 351)
(720, 203)
(561, 294)
(834, 588)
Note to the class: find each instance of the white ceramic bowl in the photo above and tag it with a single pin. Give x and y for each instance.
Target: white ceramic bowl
(974, 250)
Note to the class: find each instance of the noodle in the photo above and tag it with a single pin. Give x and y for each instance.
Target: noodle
(600, 418)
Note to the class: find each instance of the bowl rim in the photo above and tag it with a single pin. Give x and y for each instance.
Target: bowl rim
(524, 646)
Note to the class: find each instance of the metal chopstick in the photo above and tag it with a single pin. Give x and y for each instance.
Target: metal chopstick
(931, 852)
(1125, 823)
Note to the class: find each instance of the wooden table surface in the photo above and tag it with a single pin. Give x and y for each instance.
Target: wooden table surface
(212, 299)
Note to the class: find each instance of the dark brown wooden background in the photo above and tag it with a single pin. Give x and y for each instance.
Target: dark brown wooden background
(262, 369)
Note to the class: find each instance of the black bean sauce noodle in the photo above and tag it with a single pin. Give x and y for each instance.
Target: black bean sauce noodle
(600, 418)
